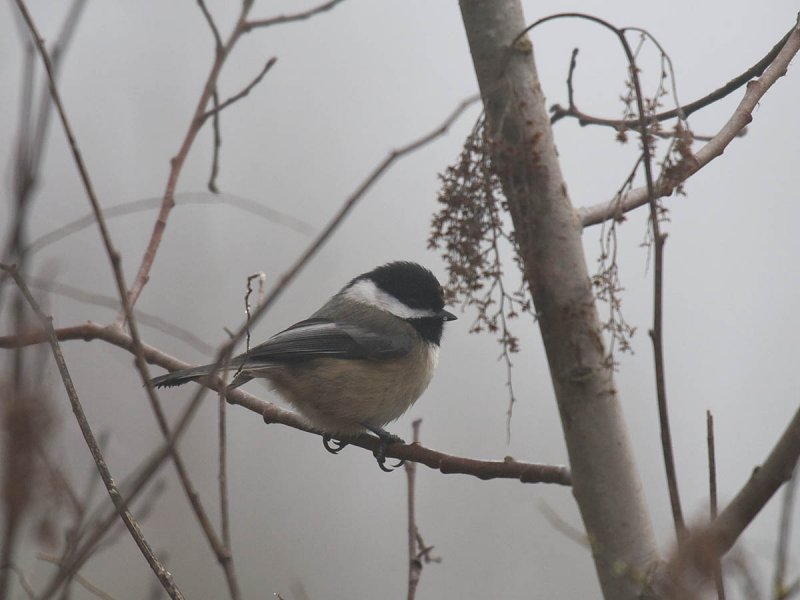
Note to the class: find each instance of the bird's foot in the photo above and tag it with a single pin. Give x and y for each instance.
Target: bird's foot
(333, 446)
(386, 439)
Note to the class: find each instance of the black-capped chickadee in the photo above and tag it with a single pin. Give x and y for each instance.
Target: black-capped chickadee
(357, 363)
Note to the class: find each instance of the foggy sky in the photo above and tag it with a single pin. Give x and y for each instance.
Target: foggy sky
(349, 86)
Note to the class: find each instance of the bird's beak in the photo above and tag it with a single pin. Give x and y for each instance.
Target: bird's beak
(447, 315)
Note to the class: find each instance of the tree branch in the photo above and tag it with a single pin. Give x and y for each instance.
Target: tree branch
(236, 97)
(606, 484)
(414, 562)
(763, 483)
(741, 116)
(177, 162)
(164, 576)
(127, 306)
(559, 112)
(301, 16)
(719, 582)
(446, 463)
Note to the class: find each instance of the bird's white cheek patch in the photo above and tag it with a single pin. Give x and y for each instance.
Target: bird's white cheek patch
(366, 292)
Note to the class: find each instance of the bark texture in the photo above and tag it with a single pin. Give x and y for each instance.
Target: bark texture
(606, 483)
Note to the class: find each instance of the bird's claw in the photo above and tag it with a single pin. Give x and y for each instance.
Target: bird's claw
(380, 454)
(333, 446)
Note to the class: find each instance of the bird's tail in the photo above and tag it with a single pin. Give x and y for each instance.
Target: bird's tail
(180, 377)
(186, 375)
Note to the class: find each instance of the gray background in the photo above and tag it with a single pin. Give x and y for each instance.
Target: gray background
(350, 86)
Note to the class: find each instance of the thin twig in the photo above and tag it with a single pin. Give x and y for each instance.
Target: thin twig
(215, 128)
(656, 333)
(127, 305)
(27, 162)
(742, 116)
(24, 582)
(764, 481)
(89, 585)
(164, 576)
(131, 488)
(414, 563)
(236, 97)
(780, 590)
(271, 413)
(241, 27)
(719, 582)
(734, 84)
(223, 473)
(177, 162)
(212, 25)
(301, 16)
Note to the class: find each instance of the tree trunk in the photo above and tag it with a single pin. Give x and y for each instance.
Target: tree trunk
(606, 483)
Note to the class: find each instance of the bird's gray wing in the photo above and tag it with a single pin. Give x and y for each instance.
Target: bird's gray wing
(318, 337)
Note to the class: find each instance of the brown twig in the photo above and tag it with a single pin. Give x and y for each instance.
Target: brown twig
(236, 97)
(414, 562)
(734, 84)
(742, 116)
(164, 576)
(765, 480)
(89, 585)
(656, 333)
(131, 488)
(301, 16)
(212, 25)
(446, 463)
(177, 162)
(200, 116)
(780, 591)
(719, 583)
(24, 582)
(217, 145)
(127, 305)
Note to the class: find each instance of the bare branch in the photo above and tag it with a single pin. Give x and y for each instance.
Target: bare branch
(741, 116)
(127, 305)
(90, 533)
(656, 333)
(212, 178)
(719, 583)
(177, 162)
(89, 585)
(24, 582)
(243, 93)
(446, 463)
(734, 84)
(652, 199)
(763, 483)
(301, 16)
(780, 588)
(164, 576)
(211, 24)
(414, 563)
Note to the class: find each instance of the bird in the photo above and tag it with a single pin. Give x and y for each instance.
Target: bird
(357, 363)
